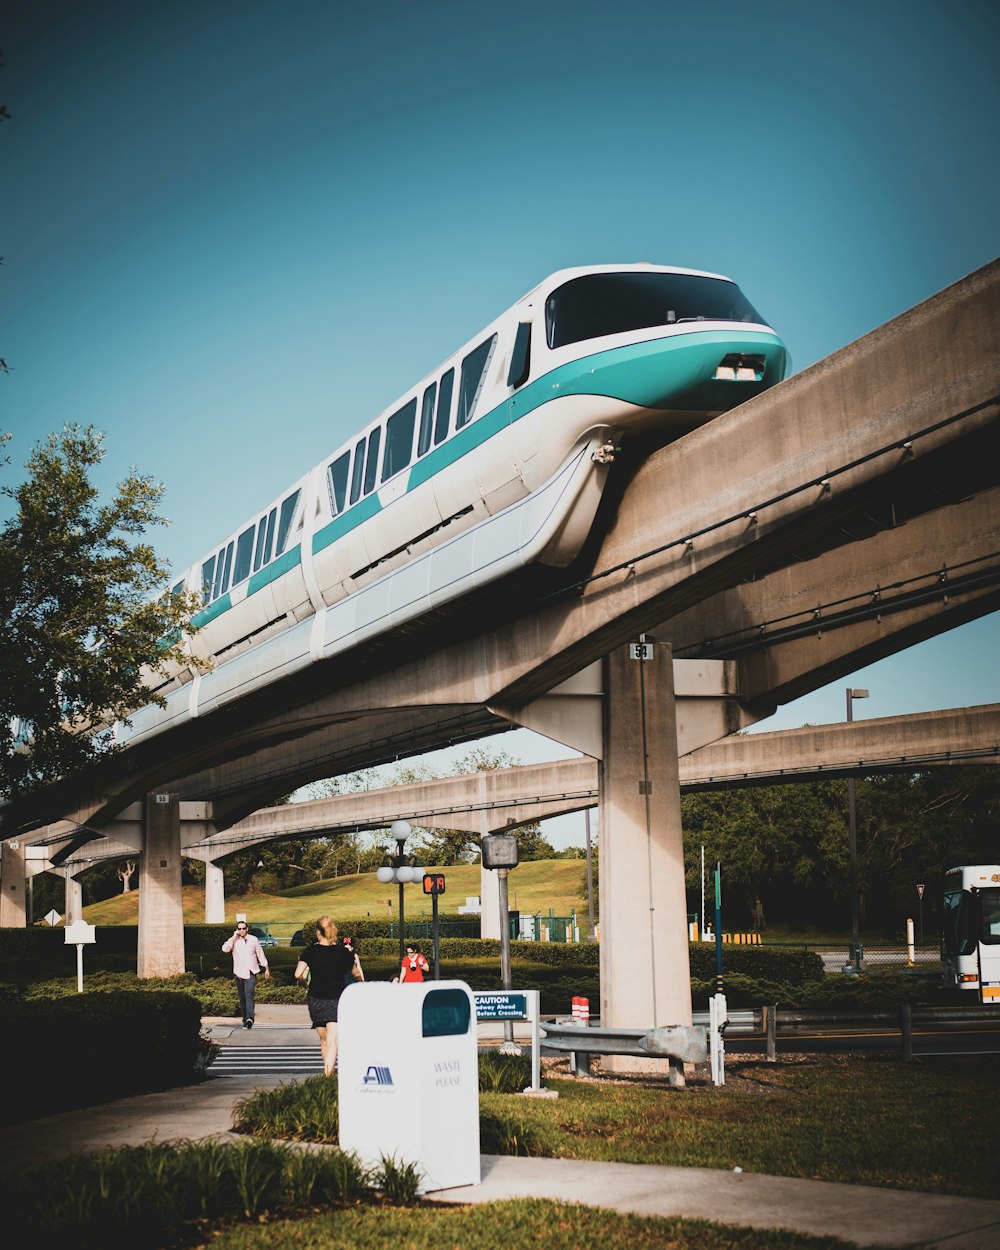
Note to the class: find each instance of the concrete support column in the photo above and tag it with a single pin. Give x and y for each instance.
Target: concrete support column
(13, 902)
(161, 918)
(645, 974)
(74, 900)
(489, 901)
(215, 893)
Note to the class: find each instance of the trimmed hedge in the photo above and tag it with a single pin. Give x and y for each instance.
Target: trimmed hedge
(90, 1048)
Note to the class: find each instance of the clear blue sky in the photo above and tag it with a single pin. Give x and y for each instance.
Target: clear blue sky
(235, 231)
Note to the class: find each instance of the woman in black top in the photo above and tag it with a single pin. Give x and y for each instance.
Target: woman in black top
(325, 968)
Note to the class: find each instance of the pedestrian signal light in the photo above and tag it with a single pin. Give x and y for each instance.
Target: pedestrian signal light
(433, 882)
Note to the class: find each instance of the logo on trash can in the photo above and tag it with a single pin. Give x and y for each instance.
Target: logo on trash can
(377, 1076)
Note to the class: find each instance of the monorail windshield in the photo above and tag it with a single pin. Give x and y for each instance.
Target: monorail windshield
(600, 304)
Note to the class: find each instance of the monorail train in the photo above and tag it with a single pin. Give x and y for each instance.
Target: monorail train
(495, 460)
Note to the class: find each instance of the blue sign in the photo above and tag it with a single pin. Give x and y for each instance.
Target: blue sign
(501, 1007)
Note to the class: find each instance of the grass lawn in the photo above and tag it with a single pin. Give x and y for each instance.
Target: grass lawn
(517, 1225)
(539, 886)
(860, 1118)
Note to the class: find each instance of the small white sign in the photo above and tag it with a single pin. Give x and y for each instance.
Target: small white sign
(53, 918)
(920, 891)
(81, 933)
(640, 650)
(241, 917)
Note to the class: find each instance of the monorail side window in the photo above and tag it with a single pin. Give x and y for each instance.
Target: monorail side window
(207, 578)
(371, 464)
(443, 419)
(474, 368)
(285, 521)
(244, 555)
(399, 440)
(358, 476)
(223, 568)
(338, 482)
(426, 420)
(265, 540)
(600, 304)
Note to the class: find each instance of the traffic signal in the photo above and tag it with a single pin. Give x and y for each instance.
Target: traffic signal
(433, 882)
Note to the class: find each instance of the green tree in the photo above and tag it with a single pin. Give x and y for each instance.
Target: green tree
(83, 627)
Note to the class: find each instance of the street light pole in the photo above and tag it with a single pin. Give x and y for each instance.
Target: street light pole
(853, 834)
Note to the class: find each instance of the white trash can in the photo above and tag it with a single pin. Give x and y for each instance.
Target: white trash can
(408, 1071)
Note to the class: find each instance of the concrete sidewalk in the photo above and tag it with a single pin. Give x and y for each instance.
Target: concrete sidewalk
(866, 1215)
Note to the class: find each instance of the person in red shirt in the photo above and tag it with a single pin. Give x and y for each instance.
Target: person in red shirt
(414, 965)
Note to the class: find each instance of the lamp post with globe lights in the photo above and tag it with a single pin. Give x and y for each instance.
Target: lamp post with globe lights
(401, 871)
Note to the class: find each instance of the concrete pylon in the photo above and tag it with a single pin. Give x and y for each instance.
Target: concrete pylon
(74, 900)
(13, 900)
(645, 974)
(215, 893)
(161, 916)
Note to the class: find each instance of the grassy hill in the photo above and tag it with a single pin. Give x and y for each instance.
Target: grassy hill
(537, 886)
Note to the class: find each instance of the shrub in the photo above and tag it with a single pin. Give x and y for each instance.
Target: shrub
(302, 1110)
(123, 1197)
(123, 1041)
(503, 1074)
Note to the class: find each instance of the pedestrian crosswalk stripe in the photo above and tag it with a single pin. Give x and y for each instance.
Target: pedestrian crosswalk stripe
(266, 1060)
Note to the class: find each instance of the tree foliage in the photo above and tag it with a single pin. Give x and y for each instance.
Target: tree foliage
(785, 851)
(82, 627)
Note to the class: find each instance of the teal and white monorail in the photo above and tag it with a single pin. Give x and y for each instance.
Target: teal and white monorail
(495, 460)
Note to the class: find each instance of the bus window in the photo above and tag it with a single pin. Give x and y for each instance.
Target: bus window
(357, 477)
(989, 904)
(444, 407)
(474, 368)
(399, 440)
(426, 420)
(285, 521)
(371, 464)
(338, 482)
(959, 923)
(244, 555)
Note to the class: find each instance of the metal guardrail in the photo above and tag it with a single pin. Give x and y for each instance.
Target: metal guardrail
(681, 1044)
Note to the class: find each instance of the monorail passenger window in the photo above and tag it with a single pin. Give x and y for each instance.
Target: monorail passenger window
(265, 540)
(474, 368)
(426, 420)
(244, 555)
(285, 521)
(443, 420)
(338, 475)
(600, 304)
(399, 440)
(371, 464)
(358, 473)
(207, 578)
(223, 567)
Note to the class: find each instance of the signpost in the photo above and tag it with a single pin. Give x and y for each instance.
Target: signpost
(522, 1005)
(499, 851)
(920, 897)
(80, 934)
(434, 885)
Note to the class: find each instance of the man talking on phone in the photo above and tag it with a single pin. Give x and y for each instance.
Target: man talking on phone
(248, 960)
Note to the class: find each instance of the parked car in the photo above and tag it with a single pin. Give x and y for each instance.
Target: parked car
(263, 938)
(298, 938)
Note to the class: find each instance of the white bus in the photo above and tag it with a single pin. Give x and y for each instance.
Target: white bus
(970, 951)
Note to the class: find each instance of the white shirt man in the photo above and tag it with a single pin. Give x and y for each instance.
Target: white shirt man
(248, 960)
